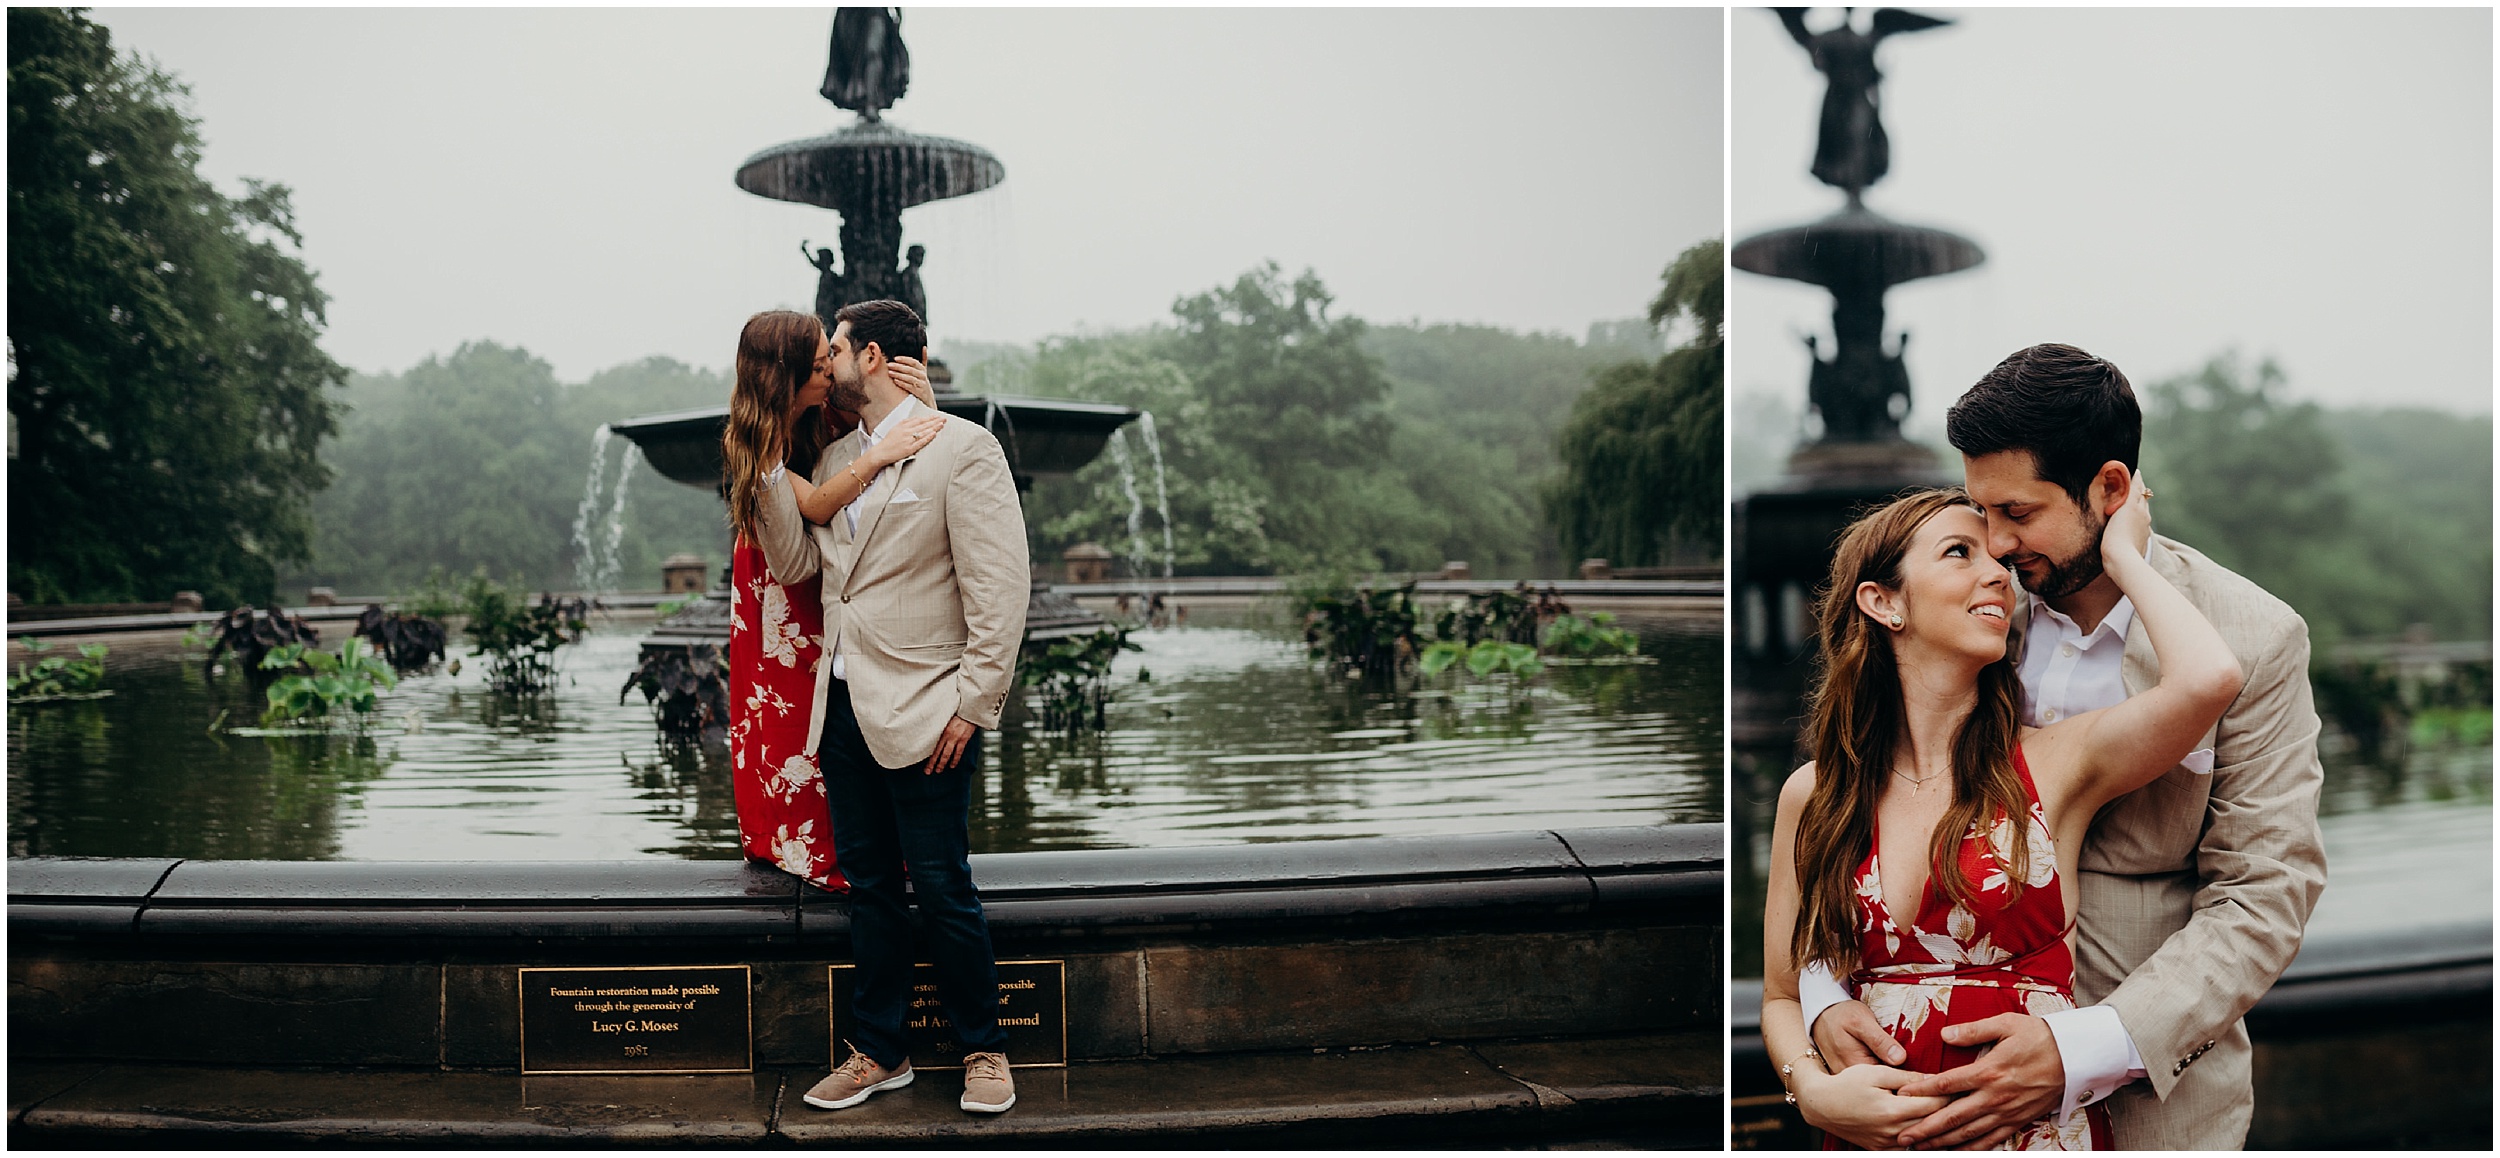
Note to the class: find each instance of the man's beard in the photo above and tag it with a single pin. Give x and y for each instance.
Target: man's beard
(847, 394)
(2067, 576)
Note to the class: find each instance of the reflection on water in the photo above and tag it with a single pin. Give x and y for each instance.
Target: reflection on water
(1234, 738)
(2408, 843)
(1239, 738)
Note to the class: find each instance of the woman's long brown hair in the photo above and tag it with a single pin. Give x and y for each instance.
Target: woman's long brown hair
(1857, 720)
(776, 356)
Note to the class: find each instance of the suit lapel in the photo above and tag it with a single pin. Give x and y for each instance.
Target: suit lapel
(869, 518)
(2138, 668)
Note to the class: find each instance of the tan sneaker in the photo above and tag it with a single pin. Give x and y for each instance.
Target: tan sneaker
(988, 1088)
(858, 1078)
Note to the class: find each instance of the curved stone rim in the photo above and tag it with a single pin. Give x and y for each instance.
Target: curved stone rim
(960, 168)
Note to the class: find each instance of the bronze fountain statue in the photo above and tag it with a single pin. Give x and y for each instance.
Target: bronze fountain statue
(1852, 152)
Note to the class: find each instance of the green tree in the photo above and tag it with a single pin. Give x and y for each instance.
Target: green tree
(460, 462)
(1641, 455)
(169, 394)
(2366, 522)
(1291, 393)
(481, 459)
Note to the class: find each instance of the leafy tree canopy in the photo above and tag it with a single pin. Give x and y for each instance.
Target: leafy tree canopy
(1641, 455)
(480, 460)
(2366, 522)
(1294, 441)
(169, 392)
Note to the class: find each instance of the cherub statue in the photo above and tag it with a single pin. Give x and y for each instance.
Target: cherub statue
(830, 284)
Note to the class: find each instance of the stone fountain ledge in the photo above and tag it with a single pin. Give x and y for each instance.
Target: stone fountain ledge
(1535, 985)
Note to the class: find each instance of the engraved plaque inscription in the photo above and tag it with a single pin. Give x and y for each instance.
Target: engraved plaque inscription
(1032, 1008)
(638, 1019)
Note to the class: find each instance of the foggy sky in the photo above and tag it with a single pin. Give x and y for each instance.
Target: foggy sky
(561, 179)
(2157, 187)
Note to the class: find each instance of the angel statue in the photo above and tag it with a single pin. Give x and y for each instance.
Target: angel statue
(869, 67)
(1852, 152)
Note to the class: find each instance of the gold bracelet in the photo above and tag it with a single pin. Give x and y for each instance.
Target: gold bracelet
(1789, 1071)
(853, 467)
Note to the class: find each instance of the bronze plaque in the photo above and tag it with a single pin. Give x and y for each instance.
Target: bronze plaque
(638, 1019)
(1032, 1008)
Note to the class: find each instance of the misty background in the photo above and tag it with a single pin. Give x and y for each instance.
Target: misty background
(2276, 222)
(526, 226)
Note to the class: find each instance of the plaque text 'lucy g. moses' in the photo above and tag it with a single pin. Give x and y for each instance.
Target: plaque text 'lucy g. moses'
(645, 1019)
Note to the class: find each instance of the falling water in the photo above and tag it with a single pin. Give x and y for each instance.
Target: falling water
(598, 558)
(1163, 500)
(612, 561)
(584, 561)
(1137, 558)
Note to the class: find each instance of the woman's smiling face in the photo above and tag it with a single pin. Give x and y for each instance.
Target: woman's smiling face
(1953, 597)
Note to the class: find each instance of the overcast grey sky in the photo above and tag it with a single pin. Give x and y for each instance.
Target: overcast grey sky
(2156, 187)
(560, 179)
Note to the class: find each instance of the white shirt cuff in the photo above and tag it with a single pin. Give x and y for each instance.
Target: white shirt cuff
(2098, 1055)
(1818, 990)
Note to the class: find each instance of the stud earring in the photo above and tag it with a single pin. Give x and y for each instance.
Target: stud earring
(1895, 621)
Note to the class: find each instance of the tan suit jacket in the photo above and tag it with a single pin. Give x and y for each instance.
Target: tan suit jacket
(2196, 888)
(926, 602)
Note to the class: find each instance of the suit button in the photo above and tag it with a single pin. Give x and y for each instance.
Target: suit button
(846, 599)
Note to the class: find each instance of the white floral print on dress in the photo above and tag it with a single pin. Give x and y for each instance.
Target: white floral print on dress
(781, 636)
(796, 774)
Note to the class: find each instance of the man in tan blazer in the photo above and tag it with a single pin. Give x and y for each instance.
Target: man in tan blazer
(925, 585)
(2195, 889)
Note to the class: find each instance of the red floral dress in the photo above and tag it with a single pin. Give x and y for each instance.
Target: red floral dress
(776, 639)
(1957, 964)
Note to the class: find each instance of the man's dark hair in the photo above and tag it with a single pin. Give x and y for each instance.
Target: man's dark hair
(2072, 411)
(890, 324)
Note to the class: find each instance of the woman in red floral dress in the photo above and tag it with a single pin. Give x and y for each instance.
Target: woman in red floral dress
(779, 416)
(1927, 800)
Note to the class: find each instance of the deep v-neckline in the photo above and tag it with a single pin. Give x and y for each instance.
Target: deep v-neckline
(1926, 889)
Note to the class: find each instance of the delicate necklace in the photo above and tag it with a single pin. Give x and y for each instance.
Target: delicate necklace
(1918, 781)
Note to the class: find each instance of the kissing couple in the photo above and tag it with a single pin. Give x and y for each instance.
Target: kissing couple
(2058, 834)
(878, 598)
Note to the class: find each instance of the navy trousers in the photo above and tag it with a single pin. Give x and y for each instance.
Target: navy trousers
(885, 819)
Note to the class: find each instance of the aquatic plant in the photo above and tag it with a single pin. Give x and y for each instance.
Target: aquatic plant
(1074, 676)
(687, 689)
(1363, 632)
(58, 677)
(1590, 638)
(1483, 658)
(519, 638)
(408, 641)
(318, 685)
(1516, 615)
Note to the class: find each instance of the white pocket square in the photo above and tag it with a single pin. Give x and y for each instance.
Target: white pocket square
(905, 496)
(2200, 762)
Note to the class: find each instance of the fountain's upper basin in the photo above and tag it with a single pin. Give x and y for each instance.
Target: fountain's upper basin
(870, 166)
(1855, 247)
(1042, 436)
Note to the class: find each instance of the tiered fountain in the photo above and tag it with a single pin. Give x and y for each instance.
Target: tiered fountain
(870, 172)
(1784, 532)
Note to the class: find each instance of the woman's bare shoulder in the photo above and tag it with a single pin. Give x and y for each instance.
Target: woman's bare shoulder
(1799, 787)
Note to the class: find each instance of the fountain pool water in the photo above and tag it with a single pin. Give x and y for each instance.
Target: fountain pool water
(1236, 738)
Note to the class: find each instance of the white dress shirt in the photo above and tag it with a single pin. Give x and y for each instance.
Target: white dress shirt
(2064, 671)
